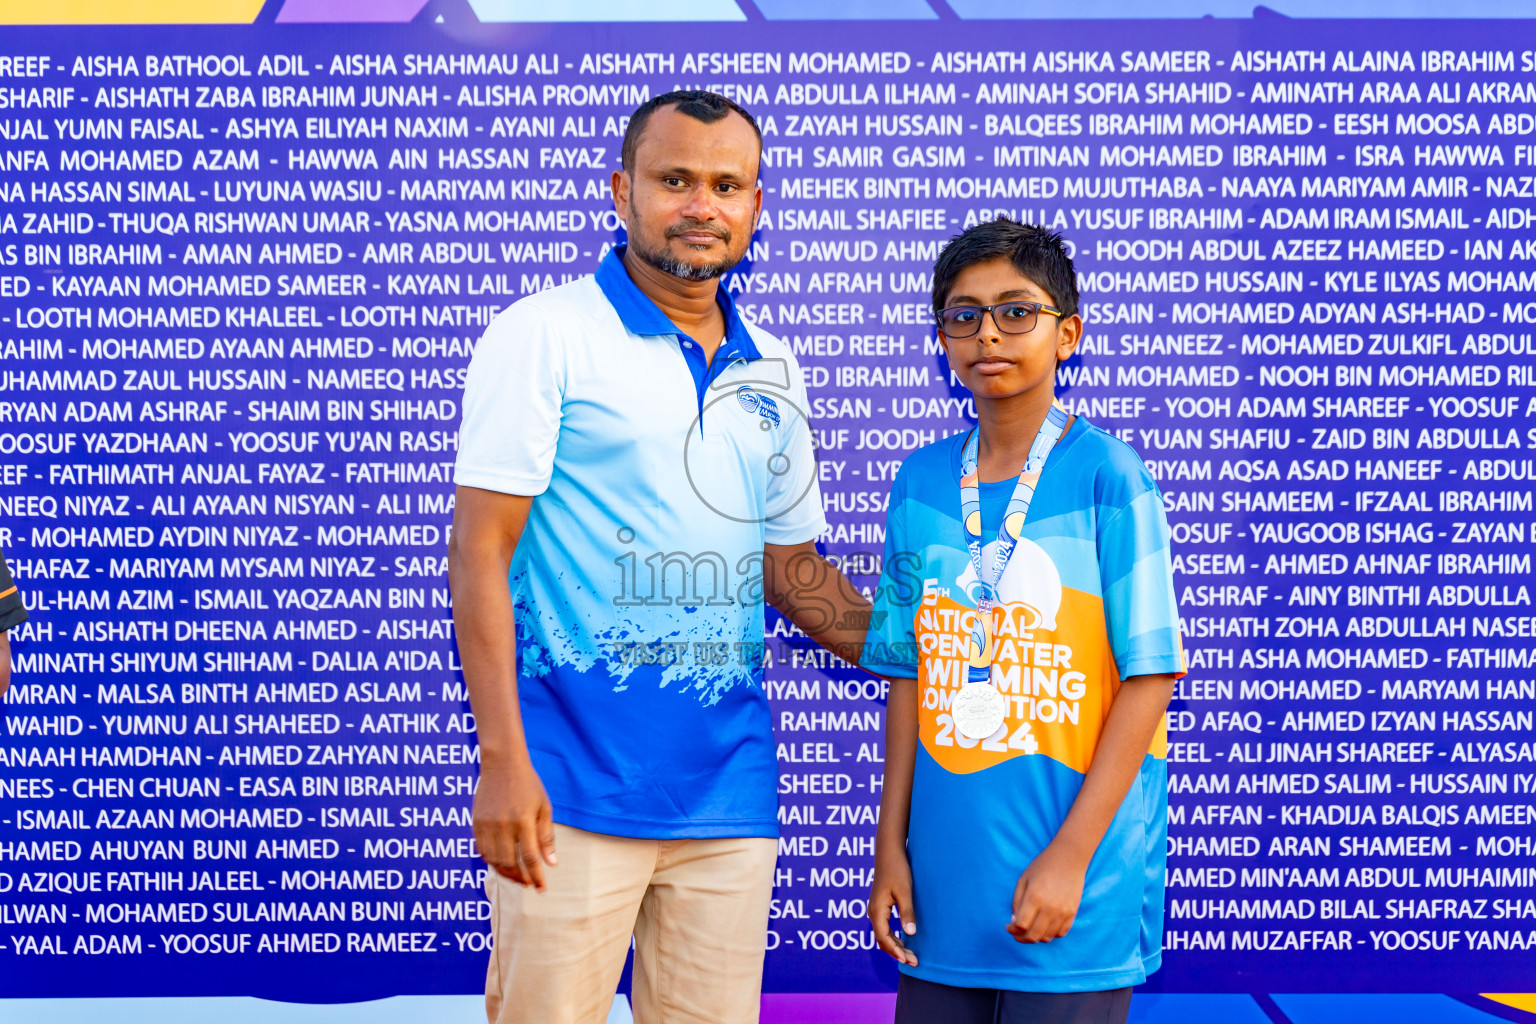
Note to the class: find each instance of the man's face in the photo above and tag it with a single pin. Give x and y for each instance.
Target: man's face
(994, 363)
(692, 198)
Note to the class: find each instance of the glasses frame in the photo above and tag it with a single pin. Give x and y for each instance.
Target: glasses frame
(1037, 307)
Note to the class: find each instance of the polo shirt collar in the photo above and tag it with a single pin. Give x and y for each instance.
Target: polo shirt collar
(643, 317)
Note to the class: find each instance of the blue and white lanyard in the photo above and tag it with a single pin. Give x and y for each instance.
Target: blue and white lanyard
(980, 668)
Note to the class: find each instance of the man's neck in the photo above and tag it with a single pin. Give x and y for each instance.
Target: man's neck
(690, 305)
(1008, 427)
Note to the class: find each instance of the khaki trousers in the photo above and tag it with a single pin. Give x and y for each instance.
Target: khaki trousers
(698, 911)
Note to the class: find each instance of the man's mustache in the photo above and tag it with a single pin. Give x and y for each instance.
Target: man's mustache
(692, 225)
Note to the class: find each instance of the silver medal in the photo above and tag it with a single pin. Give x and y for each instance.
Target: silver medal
(978, 710)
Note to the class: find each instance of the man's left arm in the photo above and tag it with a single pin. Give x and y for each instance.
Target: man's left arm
(814, 594)
(1046, 898)
(806, 589)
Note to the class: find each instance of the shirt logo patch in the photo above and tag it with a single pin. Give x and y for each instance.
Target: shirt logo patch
(764, 406)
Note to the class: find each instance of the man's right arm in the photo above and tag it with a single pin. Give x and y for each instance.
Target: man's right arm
(513, 822)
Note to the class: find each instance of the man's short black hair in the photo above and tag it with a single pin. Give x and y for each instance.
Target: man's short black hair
(1038, 254)
(699, 104)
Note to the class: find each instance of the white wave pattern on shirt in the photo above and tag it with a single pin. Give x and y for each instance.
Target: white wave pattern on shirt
(553, 645)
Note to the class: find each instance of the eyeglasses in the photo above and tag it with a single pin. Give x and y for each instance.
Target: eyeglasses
(1010, 317)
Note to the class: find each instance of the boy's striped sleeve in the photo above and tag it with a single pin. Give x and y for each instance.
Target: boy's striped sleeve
(1140, 608)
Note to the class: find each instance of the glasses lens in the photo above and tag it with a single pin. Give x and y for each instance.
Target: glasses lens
(960, 321)
(1015, 317)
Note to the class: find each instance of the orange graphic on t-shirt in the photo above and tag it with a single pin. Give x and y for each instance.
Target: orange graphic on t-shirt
(1058, 683)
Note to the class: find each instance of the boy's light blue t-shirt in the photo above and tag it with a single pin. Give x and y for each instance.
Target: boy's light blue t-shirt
(1087, 600)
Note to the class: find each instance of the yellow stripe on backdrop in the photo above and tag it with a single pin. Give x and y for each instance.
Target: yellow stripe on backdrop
(129, 12)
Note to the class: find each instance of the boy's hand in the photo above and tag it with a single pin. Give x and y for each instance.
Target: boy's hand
(892, 888)
(1046, 899)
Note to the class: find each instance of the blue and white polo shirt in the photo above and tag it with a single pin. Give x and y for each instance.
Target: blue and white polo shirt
(637, 584)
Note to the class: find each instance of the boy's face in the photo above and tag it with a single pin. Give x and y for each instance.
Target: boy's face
(992, 363)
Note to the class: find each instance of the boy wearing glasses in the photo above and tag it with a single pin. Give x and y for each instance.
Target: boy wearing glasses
(1023, 820)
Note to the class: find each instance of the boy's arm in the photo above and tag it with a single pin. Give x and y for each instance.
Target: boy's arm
(892, 886)
(1045, 901)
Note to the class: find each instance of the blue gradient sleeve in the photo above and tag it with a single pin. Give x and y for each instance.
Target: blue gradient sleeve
(1136, 573)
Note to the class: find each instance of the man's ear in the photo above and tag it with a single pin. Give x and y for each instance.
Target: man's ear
(619, 186)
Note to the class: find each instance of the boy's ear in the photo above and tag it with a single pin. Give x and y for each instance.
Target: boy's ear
(1070, 333)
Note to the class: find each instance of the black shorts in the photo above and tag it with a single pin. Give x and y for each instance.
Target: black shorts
(927, 1002)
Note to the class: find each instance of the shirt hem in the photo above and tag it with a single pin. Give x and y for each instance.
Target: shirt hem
(1155, 664)
(527, 487)
(640, 828)
(788, 536)
(1087, 981)
(899, 671)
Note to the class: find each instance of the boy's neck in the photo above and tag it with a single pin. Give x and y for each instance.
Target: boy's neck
(1008, 427)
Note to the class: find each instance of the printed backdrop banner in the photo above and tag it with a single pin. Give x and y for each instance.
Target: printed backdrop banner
(243, 267)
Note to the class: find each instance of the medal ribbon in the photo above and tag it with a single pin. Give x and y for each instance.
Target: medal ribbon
(980, 669)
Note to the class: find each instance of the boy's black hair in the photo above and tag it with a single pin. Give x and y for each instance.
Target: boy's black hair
(699, 104)
(1038, 254)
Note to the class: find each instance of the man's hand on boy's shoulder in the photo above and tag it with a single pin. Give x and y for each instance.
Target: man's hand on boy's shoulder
(1046, 899)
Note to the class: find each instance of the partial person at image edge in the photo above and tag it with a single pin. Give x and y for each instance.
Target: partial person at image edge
(12, 614)
(1026, 866)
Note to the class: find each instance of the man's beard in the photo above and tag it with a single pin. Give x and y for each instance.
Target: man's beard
(669, 264)
(665, 262)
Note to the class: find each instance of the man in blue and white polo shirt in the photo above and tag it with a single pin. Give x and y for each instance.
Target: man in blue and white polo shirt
(635, 475)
